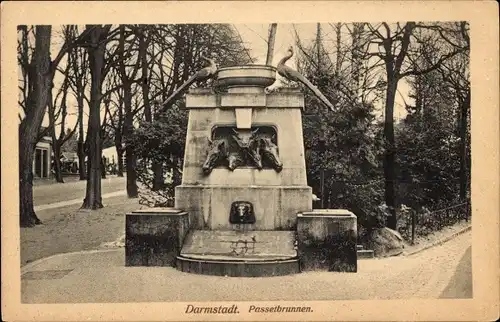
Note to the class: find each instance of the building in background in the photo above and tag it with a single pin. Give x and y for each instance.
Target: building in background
(112, 157)
(43, 159)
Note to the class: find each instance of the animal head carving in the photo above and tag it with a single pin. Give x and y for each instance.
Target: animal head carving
(242, 212)
(216, 151)
(244, 139)
(271, 152)
(234, 160)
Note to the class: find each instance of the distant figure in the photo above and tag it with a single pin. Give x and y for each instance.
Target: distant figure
(103, 167)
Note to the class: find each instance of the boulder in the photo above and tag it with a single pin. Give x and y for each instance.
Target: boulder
(386, 242)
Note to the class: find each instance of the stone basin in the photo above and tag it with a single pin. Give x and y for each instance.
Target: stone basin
(260, 76)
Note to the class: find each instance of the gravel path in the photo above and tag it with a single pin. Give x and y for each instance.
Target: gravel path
(102, 277)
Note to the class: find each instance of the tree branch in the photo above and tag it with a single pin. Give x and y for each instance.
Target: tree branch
(431, 68)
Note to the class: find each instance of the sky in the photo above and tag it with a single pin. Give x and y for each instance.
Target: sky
(255, 38)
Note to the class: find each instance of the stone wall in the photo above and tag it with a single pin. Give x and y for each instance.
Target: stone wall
(327, 240)
(154, 236)
(275, 207)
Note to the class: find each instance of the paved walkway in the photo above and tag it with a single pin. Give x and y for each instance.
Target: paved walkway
(77, 201)
(100, 276)
(68, 193)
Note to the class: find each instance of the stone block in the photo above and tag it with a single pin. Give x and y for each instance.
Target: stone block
(243, 100)
(327, 240)
(285, 99)
(154, 236)
(201, 99)
(275, 207)
(243, 118)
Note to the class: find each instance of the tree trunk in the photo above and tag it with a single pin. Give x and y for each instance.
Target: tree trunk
(464, 108)
(157, 175)
(131, 161)
(120, 162)
(56, 147)
(389, 157)
(57, 160)
(103, 167)
(130, 158)
(30, 126)
(93, 197)
(156, 166)
(81, 148)
(143, 46)
(356, 66)
(119, 153)
(270, 43)
(81, 160)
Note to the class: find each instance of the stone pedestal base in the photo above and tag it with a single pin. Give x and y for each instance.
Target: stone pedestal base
(154, 237)
(275, 207)
(327, 240)
(239, 254)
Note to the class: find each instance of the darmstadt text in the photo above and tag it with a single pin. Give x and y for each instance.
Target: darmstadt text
(233, 309)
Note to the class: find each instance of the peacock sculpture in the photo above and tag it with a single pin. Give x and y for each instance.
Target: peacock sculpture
(293, 75)
(203, 74)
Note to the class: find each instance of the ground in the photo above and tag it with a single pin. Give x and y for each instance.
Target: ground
(68, 229)
(101, 277)
(460, 285)
(78, 277)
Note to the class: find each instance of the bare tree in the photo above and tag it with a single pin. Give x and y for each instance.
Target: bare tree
(115, 120)
(98, 37)
(78, 81)
(59, 112)
(455, 72)
(39, 80)
(393, 46)
(39, 72)
(127, 79)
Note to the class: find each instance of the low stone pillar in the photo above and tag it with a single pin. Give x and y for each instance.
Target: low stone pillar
(154, 236)
(327, 240)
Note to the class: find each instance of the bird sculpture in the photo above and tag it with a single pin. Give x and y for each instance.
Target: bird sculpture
(201, 75)
(293, 75)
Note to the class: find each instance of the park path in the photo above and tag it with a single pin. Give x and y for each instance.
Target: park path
(47, 196)
(102, 277)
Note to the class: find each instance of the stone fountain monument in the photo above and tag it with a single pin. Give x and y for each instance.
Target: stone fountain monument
(244, 207)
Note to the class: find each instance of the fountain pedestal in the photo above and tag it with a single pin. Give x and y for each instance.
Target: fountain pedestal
(227, 134)
(276, 197)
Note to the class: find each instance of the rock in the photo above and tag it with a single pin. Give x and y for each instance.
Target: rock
(120, 242)
(386, 242)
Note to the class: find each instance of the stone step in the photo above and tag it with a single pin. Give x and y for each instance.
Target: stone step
(239, 253)
(359, 247)
(239, 245)
(365, 253)
(233, 268)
